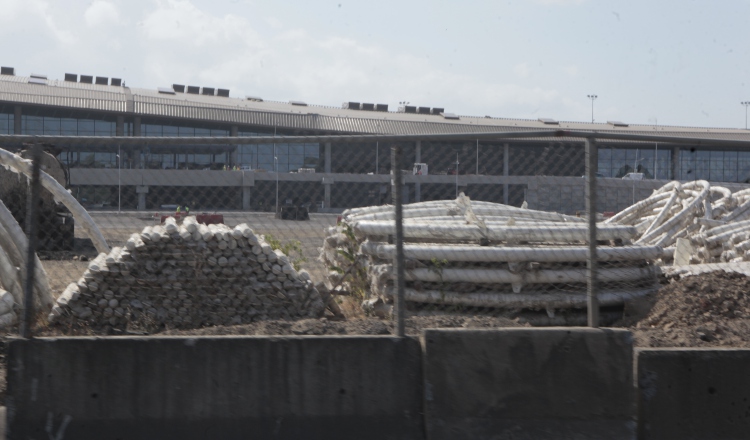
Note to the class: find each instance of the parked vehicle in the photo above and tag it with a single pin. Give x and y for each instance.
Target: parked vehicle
(420, 169)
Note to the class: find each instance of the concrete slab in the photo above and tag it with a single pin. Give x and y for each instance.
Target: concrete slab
(693, 393)
(215, 388)
(550, 383)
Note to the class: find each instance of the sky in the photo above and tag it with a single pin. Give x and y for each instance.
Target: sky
(666, 62)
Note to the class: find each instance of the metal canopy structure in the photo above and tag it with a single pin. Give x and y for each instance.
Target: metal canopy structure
(577, 135)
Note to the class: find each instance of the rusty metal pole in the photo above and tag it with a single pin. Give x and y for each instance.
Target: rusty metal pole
(32, 228)
(592, 162)
(398, 261)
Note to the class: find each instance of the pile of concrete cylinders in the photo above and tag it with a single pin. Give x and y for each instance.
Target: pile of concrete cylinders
(187, 276)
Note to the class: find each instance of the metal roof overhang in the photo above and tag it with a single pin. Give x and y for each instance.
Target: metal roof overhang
(575, 135)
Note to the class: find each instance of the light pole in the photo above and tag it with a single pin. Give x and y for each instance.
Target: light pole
(592, 98)
(745, 103)
(456, 174)
(119, 187)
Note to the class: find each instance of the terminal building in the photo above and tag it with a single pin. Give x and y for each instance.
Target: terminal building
(330, 176)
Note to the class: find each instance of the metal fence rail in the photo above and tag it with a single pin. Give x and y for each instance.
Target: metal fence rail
(476, 226)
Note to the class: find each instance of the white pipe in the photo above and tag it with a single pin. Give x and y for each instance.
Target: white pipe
(16, 243)
(510, 254)
(492, 276)
(562, 233)
(680, 217)
(539, 300)
(660, 218)
(82, 217)
(10, 277)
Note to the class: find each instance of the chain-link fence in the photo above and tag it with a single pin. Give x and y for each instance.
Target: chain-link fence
(179, 233)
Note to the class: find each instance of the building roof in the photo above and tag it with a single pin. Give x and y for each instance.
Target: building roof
(152, 103)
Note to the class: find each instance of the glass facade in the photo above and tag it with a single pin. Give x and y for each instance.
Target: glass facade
(652, 162)
(54, 126)
(6, 123)
(291, 157)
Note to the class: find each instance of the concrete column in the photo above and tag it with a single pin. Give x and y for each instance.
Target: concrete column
(327, 182)
(141, 191)
(17, 120)
(246, 193)
(234, 155)
(120, 126)
(417, 184)
(328, 157)
(137, 126)
(137, 158)
(506, 165)
(675, 163)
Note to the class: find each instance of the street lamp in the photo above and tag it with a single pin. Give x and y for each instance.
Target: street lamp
(592, 98)
(745, 103)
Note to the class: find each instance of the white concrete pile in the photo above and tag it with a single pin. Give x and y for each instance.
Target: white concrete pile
(481, 254)
(695, 223)
(188, 276)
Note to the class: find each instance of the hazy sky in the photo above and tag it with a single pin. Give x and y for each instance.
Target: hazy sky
(680, 62)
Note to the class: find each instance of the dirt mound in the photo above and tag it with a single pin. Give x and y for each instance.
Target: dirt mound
(705, 310)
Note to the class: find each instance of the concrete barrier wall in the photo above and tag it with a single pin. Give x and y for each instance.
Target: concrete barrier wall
(694, 393)
(529, 384)
(215, 388)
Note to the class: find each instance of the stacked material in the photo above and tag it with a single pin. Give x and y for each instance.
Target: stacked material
(698, 222)
(188, 276)
(481, 254)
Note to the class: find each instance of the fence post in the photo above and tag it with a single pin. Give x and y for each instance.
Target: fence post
(398, 263)
(592, 162)
(32, 226)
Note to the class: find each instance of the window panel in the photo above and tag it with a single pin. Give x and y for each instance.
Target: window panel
(32, 124)
(169, 131)
(51, 126)
(68, 127)
(185, 131)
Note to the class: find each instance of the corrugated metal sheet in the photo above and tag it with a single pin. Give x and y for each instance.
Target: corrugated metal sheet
(318, 119)
(83, 98)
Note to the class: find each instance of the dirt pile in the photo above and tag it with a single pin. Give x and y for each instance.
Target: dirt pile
(705, 310)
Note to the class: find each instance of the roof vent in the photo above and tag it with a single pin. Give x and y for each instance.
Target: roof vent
(254, 98)
(351, 105)
(617, 124)
(407, 109)
(195, 90)
(423, 110)
(549, 121)
(40, 81)
(179, 88)
(102, 80)
(166, 90)
(71, 77)
(208, 91)
(368, 107)
(381, 107)
(7, 71)
(117, 82)
(302, 103)
(450, 116)
(38, 76)
(87, 79)
(437, 111)
(222, 92)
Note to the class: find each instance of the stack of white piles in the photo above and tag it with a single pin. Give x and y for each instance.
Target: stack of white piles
(481, 254)
(187, 276)
(713, 222)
